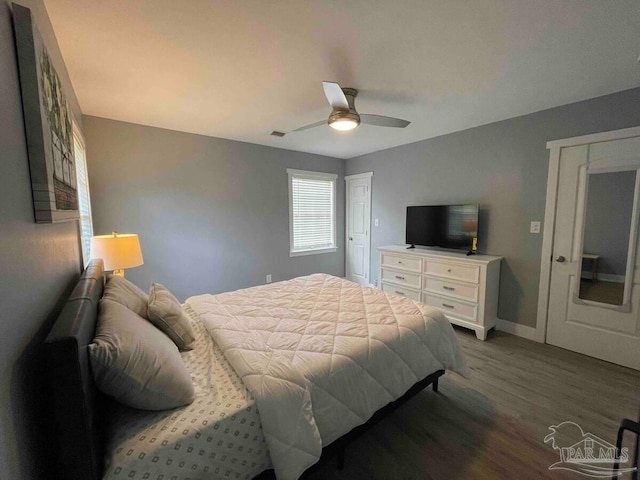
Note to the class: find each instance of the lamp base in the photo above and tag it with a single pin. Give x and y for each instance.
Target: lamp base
(119, 272)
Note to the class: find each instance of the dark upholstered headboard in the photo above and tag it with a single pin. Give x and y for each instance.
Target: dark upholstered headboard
(77, 403)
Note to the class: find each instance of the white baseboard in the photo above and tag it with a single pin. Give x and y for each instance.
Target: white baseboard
(517, 329)
(607, 277)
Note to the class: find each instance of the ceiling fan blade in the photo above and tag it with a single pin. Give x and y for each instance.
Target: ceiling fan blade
(312, 125)
(382, 121)
(335, 95)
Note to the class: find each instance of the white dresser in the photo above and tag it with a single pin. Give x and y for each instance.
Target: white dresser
(464, 288)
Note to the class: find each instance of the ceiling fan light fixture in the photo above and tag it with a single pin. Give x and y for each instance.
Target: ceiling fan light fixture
(344, 120)
(343, 124)
(344, 116)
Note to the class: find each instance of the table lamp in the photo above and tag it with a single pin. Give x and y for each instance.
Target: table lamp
(118, 251)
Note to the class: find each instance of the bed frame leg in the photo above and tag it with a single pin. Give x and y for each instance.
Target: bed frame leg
(435, 385)
(341, 459)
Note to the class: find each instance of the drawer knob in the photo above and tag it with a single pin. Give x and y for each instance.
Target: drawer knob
(399, 277)
(451, 289)
(446, 305)
(399, 292)
(449, 270)
(399, 261)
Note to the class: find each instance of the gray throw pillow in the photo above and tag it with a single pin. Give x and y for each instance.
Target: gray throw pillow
(121, 290)
(166, 313)
(137, 364)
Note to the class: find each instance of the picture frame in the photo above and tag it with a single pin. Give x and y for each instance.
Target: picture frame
(48, 126)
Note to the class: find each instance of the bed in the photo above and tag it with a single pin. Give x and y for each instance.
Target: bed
(312, 355)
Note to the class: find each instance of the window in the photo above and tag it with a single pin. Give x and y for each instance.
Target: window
(312, 212)
(84, 201)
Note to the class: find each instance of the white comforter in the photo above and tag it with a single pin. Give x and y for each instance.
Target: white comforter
(321, 354)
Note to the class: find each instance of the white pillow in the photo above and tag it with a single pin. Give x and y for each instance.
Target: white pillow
(137, 364)
(166, 313)
(121, 290)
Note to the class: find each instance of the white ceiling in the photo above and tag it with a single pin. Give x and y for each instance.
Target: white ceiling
(239, 69)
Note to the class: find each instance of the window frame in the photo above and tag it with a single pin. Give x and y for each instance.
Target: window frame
(294, 173)
(77, 136)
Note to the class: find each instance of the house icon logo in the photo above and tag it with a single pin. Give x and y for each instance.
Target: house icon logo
(585, 453)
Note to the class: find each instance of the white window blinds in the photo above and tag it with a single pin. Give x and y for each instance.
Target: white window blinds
(84, 201)
(312, 212)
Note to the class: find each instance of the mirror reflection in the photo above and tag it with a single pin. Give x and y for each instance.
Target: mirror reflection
(606, 236)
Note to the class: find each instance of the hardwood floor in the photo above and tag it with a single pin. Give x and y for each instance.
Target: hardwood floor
(492, 425)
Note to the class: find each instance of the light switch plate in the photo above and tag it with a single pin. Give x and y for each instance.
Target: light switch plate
(269, 278)
(376, 222)
(535, 227)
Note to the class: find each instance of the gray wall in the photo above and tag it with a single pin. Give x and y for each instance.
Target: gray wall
(503, 167)
(38, 266)
(212, 214)
(609, 206)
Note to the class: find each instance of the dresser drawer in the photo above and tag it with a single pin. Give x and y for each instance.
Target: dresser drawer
(402, 278)
(467, 273)
(449, 287)
(404, 263)
(452, 307)
(404, 292)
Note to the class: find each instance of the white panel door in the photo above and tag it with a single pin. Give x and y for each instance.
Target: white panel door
(358, 228)
(604, 325)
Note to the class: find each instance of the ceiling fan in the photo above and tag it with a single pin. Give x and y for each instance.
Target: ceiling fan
(344, 115)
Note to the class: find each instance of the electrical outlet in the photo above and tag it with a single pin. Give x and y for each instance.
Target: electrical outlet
(269, 278)
(535, 227)
(376, 222)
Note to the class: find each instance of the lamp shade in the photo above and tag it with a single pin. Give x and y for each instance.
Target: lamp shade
(118, 251)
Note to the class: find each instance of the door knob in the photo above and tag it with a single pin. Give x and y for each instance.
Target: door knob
(560, 259)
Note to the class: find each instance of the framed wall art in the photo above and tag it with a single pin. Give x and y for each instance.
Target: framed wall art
(48, 126)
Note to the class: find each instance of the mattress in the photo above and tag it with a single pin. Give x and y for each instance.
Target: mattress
(321, 355)
(218, 436)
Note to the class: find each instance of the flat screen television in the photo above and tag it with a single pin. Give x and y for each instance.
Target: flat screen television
(444, 226)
